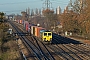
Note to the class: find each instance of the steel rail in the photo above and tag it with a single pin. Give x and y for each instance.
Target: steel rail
(40, 50)
(25, 41)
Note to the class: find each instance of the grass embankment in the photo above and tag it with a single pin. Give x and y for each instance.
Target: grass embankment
(8, 47)
(81, 38)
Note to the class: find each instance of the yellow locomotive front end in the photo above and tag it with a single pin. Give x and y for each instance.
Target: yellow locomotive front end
(47, 36)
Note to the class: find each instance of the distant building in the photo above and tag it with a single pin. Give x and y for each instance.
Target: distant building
(36, 11)
(32, 12)
(58, 10)
(39, 11)
(66, 10)
(28, 11)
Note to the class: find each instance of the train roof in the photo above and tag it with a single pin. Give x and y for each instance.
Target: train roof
(47, 31)
(44, 30)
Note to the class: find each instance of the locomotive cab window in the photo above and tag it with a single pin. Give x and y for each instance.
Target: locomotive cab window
(49, 34)
(45, 34)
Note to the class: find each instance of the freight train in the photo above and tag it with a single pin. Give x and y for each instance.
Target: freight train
(40, 32)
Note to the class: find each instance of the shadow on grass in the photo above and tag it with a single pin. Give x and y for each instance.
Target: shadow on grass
(58, 39)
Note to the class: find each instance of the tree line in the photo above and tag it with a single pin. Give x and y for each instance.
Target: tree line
(74, 19)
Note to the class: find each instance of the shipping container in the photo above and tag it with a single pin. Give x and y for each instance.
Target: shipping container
(26, 26)
(29, 28)
(23, 22)
(33, 30)
(37, 31)
(20, 21)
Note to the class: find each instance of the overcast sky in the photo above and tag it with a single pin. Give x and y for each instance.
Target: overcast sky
(16, 6)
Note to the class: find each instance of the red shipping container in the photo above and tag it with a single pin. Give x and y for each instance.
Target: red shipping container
(26, 26)
(37, 31)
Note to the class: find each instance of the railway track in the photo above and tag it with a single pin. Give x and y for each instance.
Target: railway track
(26, 42)
(37, 50)
(44, 49)
(62, 49)
(40, 47)
(79, 51)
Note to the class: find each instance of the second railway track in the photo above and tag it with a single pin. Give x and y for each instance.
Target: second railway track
(64, 50)
(37, 50)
